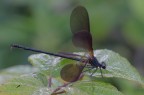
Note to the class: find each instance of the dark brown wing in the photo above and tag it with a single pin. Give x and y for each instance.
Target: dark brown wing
(71, 72)
(79, 23)
(69, 54)
(79, 20)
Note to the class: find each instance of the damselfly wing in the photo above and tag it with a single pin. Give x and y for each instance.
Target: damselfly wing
(80, 28)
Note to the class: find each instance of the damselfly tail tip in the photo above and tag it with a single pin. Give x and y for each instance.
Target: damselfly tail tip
(14, 46)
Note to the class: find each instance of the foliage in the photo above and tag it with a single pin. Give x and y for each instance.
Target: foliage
(36, 82)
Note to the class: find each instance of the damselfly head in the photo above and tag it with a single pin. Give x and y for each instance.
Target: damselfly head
(103, 65)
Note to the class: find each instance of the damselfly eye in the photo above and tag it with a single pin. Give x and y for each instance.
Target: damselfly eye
(103, 65)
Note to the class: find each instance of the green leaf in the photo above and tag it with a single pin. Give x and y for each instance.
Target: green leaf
(43, 61)
(37, 83)
(93, 88)
(117, 66)
(24, 85)
(47, 65)
(15, 71)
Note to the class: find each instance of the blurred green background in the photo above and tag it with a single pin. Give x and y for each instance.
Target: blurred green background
(117, 25)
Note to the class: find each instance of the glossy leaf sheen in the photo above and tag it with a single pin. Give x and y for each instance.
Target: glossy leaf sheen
(117, 66)
(25, 85)
(94, 88)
